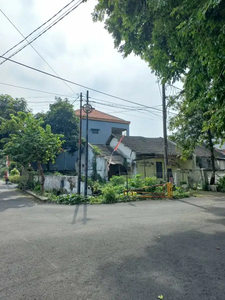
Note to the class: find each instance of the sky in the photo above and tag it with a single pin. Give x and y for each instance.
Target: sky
(83, 52)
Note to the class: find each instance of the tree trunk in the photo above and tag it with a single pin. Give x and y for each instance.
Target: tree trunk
(211, 147)
(42, 176)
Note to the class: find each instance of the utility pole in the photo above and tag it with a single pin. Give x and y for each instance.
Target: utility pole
(86, 148)
(165, 132)
(79, 150)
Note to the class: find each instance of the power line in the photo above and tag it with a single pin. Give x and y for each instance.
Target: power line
(44, 31)
(35, 90)
(83, 86)
(38, 27)
(35, 49)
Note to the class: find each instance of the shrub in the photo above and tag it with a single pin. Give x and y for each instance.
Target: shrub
(14, 178)
(180, 193)
(25, 183)
(136, 181)
(3, 170)
(150, 181)
(109, 194)
(12, 165)
(221, 184)
(71, 199)
(37, 188)
(14, 172)
(117, 180)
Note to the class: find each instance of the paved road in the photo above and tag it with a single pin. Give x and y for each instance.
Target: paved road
(133, 251)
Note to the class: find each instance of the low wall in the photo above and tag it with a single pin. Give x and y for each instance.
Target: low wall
(68, 183)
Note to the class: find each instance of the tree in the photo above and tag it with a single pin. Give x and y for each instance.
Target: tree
(176, 38)
(188, 128)
(62, 119)
(30, 142)
(9, 106)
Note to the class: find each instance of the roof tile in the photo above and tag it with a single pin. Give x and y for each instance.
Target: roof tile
(101, 116)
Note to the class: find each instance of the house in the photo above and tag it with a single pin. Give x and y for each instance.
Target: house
(102, 125)
(104, 155)
(146, 156)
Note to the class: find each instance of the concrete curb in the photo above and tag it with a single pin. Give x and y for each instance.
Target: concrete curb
(43, 199)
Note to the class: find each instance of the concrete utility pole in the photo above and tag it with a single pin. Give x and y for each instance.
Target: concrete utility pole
(165, 132)
(79, 150)
(86, 148)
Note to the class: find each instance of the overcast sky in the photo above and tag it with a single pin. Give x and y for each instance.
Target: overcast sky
(81, 51)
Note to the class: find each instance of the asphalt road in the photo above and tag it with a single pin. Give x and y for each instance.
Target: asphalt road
(130, 251)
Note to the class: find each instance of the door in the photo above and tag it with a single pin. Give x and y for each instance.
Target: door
(159, 171)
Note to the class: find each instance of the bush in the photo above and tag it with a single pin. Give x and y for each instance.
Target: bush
(109, 195)
(25, 184)
(3, 170)
(117, 180)
(14, 178)
(180, 193)
(14, 172)
(221, 184)
(136, 181)
(150, 181)
(71, 199)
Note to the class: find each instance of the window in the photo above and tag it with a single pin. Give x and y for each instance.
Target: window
(95, 131)
(159, 173)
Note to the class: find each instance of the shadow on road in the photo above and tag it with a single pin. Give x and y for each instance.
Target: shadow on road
(85, 219)
(17, 202)
(183, 266)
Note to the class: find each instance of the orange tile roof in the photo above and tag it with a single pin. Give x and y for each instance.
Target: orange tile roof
(101, 116)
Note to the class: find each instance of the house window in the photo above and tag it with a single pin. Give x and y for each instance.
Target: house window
(95, 131)
(159, 171)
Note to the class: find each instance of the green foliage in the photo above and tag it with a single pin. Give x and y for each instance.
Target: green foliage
(71, 199)
(37, 188)
(29, 141)
(221, 184)
(117, 180)
(62, 119)
(14, 172)
(25, 183)
(3, 170)
(14, 178)
(150, 181)
(13, 165)
(180, 193)
(109, 195)
(9, 106)
(136, 181)
(176, 38)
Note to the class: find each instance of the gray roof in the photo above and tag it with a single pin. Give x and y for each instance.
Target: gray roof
(106, 151)
(155, 146)
(150, 146)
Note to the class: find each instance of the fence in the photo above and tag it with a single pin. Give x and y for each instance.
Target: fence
(145, 192)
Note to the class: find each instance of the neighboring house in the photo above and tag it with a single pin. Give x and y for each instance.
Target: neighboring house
(146, 156)
(102, 125)
(117, 163)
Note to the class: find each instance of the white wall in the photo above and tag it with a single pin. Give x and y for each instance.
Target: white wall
(68, 183)
(126, 151)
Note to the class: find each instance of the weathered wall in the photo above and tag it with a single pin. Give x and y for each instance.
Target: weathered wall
(68, 183)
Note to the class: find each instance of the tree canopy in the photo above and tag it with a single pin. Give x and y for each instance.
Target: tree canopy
(62, 119)
(8, 106)
(176, 38)
(30, 142)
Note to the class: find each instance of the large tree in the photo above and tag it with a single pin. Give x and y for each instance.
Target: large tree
(62, 119)
(176, 38)
(30, 142)
(8, 106)
(188, 127)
